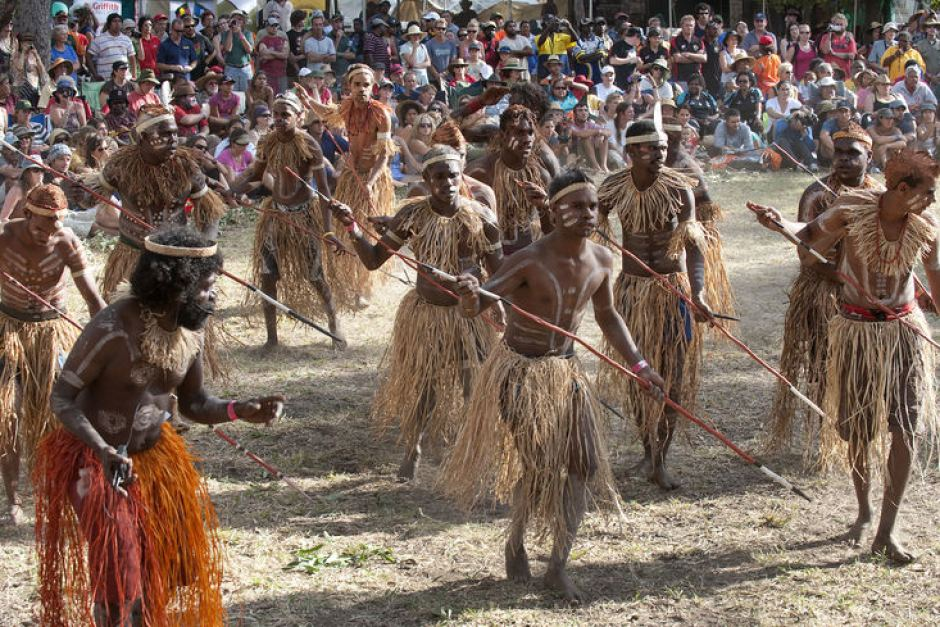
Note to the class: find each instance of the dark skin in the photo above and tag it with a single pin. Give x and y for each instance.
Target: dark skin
(33, 242)
(823, 234)
(652, 248)
(286, 189)
(564, 262)
(517, 142)
(443, 181)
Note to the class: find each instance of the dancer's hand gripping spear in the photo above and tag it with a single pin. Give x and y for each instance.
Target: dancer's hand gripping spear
(435, 276)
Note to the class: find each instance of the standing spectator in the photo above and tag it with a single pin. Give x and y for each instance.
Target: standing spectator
(476, 66)
(27, 70)
(767, 66)
(145, 92)
(466, 15)
(914, 91)
(791, 36)
(223, 106)
(590, 52)
(273, 50)
(345, 53)
(441, 51)
(375, 50)
(259, 92)
(237, 47)
(414, 54)
(147, 45)
(110, 46)
(747, 101)
(879, 47)
(655, 86)
(751, 41)
(160, 25)
(319, 48)
(711, 69)
(606, 87)
(802, 52)
(686, 51)
(117, 82)
(62, 50)
(896, 57)
(556, 38)
(624, 55)
(490, 44)
(295, 42)
(202, 46)
(653, 49)
(281, 9)
(525, 30)
(703, 14)
(929, 49)
(190, 117)
(838, 45)
(176, 54)
(520, 47)
(452, 28)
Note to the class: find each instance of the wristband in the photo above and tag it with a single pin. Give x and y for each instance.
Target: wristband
(354, 229)
(329, 234)
(230, 409)
(639, 366)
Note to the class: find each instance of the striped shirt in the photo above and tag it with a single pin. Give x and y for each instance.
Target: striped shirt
(107, 48)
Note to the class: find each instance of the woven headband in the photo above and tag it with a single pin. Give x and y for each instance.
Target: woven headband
(292, 104)
(440, 159)
(179, 251)
(359, 70)
(863, 137)
(143, 126)
(672, 128)
(657, 137)
(574, 187)
(47, 212)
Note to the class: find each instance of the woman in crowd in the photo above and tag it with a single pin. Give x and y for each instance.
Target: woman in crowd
(781, 105)
(235, 158)
(259, 123)
(414, 54)
(927, 128)
(726, 61)
(865, 91)
(801, 53)
(886, 138)
(27, 69)
(420, 141)
(790, 37)
(259, 92)
(146, 45)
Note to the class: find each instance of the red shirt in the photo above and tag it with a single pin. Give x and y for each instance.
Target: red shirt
(187, 131)
(148, 49)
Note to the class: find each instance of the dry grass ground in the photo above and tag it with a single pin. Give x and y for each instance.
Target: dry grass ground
(728, 548)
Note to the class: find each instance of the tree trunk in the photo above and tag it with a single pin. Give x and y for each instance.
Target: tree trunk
(33, 17)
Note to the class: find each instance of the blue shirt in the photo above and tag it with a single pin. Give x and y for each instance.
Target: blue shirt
(328, 144)
(170, 53)
(69, 55)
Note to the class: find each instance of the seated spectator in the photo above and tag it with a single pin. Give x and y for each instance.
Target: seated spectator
(807, 87)
(825, 92)
(24, 117)
(120, 119)
(476, 66)
(781, 105)
(878, 48)
(865, 90)
(623, 118)
(735, 144)
(144, 93)
(884, 97)
(555, 70)
(746, 100)
(701, 104)
(886, 138)
(895, 58)
(609, 110)
(420, 142)
(457, 77)
(927, 129)
(590, 140)
(235, 158)
(223, 106)
(822, 72)
(726, 59)
(259, 123)
(913, 90)
(794, 140)
(407, 113)
(208, 86)
(905, 120)
(190, 118)
(259, 92)
(563, 93)
(606, 86)
(838, 120)
(66, 110)
(691, 132)
(655, 85)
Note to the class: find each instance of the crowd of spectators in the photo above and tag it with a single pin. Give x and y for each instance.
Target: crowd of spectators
(746, 95)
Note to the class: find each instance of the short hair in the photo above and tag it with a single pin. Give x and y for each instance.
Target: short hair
(297, 17)
(910, 166)
(686, 18)
(640, 127)
(530, 96)
(746, 75)
(696, 77)
(159, 279)
(514, 114)
(732, 113)
(440, 150)
(633, 31)
(566, 178)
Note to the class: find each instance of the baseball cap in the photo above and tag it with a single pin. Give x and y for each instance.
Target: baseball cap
(478, 46)
(23, 105)
(760, 16)
(431, 15)
(890, 26)
(826, 81)
(273, 21)
(505, 49)
(317, 73)
(928, 106)
(128, 23)
(27, 164)
(844, 104)
(553, 58)
(607, 69)
(117, 65)
(765, 40)
(65, 82)
(226, 79)
(304, 71)
(159, 16)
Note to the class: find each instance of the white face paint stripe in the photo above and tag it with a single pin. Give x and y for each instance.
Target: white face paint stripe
(97, 349)
(499, 281)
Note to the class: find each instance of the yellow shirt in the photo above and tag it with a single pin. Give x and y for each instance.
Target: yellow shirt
(559, 44)
(896, 67)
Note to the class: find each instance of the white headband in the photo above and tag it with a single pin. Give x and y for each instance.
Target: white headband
(440, 159)
(143, 126)
(179, 251)
(657, 137)
(574, 187)
(675, 128)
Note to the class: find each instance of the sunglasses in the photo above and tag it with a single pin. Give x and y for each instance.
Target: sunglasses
(424, 125)
(203, 147)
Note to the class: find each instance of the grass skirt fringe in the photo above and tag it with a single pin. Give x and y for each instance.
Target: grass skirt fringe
(659, 323)
(295, 252)
(169, 507)
(346, 274)
(30, 354)
(803, 361)
(421, 388)
(718, 292)
(530, 422)
(877, 372)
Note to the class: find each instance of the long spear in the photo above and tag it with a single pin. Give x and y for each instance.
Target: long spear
(250, 287)
(215, 428)
(917, 282)
(740, 344)
(430, 273)
(891, 315)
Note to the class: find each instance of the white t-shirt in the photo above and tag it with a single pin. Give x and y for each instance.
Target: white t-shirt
(319, 46)
(479, 70)
(421, 56)
(773, 104)
(603, 91)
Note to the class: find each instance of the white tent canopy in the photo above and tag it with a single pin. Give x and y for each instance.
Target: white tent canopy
(412, 9)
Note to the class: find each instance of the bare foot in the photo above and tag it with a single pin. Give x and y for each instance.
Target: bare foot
(859, 530)
(559, 581)
(661, 477)
(891, 548)
(340, 344)
(17, 517)
(406, 472)
(517, 564)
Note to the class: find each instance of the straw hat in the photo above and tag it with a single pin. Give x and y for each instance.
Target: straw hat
(414, 29)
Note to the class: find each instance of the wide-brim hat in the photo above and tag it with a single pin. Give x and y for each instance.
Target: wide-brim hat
(147, 76)
(740, 56)
(458, 62)
(205, 78)
(513, 65)
(414, 29)
(60, 62)
(661, 63)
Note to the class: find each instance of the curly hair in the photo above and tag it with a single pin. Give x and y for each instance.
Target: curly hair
(910, 166)
(514, 114)
(448, 133)
(158, 279)
(531, 96)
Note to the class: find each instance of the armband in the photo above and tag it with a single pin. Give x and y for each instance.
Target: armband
(383, 136)
(202, 192)
(79, 273)
(639, 366)
(230, 410)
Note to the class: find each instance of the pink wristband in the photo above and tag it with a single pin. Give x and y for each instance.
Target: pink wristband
(231, 411)
(639, 366)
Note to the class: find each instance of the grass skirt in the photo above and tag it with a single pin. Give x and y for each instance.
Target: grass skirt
(803, 361)
(175, 524)
(296, 254)
(718, 292)
(30, 357)
(421, 387)
(118, 269)
(880, 377)
(530, 422)
(668, 339)
(346, 274)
